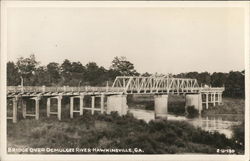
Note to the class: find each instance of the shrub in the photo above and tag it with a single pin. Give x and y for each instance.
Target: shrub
(239, 135)
(155, 137)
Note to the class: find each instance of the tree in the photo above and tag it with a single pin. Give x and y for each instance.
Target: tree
(146, 74)
(122, 66)
(53, 71)
(112, 74)
(27, 68)
(74, 74)
(66, 72)
(204, 78)
(77, 73)
(94, 74)
(13, 76)
(41, 76)
(193, 75)
(218, 79)
(235, 84)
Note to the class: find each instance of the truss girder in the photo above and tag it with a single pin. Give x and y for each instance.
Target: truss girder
(155, 84)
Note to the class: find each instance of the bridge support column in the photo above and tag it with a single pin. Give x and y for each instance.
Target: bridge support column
(206, 100)
(37, 100)
(59, 107)
(71, 107)
(72, 111)
(220, 98)
(194, 100)
(161, 106)
(217, 98)
(81, 104)
(37, 108)
(24, 108)
(214, 97)
(92, 105)
(117, 103)
(48, 107)
(14, 118)
(102, 103)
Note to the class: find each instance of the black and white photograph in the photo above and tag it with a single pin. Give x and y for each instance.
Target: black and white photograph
(125, 79)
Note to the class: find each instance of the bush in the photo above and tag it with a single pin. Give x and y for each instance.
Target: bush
(239, 135)
(114, 131)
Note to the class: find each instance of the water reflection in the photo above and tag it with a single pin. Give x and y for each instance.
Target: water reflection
(218, 123)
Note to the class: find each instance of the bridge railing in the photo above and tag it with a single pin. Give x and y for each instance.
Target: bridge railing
(13, 89)
(213, 89)
(164, 89)
(18, 89)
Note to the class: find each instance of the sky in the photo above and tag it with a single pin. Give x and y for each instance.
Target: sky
(162, 40)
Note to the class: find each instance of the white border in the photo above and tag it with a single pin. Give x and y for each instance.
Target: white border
(60, 4)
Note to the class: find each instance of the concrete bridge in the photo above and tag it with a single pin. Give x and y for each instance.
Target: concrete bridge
(114, 98)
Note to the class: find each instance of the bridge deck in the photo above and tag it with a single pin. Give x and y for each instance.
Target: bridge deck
(121, 85)
(29, 91)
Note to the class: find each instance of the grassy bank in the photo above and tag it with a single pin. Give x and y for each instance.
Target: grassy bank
(229, 106)
(113, 131)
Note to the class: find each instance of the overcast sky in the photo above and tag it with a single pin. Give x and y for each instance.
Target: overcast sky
(163, 40)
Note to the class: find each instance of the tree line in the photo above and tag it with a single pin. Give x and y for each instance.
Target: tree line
(30, 72)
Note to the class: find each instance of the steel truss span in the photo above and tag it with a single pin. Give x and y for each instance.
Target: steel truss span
(156, 84)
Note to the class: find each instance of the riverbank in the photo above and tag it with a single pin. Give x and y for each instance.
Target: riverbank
(235, 106)
(113, 131)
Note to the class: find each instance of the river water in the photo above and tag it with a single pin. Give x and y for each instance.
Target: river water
(220, 123)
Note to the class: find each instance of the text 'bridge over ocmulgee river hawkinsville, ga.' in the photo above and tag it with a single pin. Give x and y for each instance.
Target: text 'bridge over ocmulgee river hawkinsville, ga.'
(114, 98)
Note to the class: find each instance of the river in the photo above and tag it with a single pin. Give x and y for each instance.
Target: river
(220, 123)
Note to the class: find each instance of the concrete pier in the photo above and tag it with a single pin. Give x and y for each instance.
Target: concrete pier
(194, 100)
(161, 106)
(117, 103)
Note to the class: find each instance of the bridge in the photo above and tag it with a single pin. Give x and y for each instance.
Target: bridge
(114, 98)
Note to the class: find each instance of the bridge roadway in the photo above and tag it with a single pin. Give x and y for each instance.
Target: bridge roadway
(114, 98)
